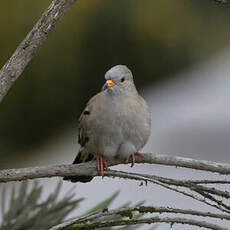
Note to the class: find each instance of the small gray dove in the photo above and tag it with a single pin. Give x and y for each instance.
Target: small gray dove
(116, 123)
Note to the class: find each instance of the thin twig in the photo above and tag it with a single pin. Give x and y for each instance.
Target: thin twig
(201, 190)
(192, 185)
(209, 181)
(212, 198)
(29, 46)
(135, 176)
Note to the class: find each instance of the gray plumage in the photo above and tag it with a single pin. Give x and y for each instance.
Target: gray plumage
(116, 122)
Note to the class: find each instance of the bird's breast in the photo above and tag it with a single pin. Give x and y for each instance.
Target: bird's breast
(114, 122)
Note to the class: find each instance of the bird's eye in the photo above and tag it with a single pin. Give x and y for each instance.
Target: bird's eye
(122, 79)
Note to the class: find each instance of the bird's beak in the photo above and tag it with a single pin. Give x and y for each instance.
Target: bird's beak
(110, 83)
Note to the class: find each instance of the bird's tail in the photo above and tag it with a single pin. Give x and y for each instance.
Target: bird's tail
(80, 159)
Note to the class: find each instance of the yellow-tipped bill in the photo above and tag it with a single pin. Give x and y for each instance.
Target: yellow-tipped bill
(110, 83)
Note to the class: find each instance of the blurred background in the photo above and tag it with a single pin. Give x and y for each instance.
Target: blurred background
(179, 54)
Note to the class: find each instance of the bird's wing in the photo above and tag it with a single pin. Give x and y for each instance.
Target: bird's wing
(82, 155)
(82, 136)
(83, 122)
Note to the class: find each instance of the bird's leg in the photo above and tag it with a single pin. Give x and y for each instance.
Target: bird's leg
(132, 156)
(101, 164)
(105, 163)
(132, 160)
(98, 164)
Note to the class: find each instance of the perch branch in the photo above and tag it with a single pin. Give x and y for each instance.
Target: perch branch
(89, 168)
(29, 46)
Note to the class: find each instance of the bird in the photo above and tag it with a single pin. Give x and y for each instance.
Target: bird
(116, 123)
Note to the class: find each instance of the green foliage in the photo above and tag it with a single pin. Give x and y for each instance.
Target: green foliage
(26, 211)
(102, 205)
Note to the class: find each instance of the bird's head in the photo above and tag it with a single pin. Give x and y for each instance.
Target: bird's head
(119, 79)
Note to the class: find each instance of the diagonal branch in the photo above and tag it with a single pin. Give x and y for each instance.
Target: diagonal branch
(29, 46)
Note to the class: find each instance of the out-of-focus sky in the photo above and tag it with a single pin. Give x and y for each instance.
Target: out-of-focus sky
(178, 52)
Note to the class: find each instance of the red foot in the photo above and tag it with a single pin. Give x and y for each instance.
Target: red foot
(133, 158)
(101, 164)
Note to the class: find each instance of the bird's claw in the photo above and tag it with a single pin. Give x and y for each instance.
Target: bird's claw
(101, 164)
(132, 156)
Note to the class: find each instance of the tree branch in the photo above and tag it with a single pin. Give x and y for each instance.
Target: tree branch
(194, 184)
(128, 212)
(151, 220)
(206, 195)
(135, 176)
(89, 168)
(29, 46)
